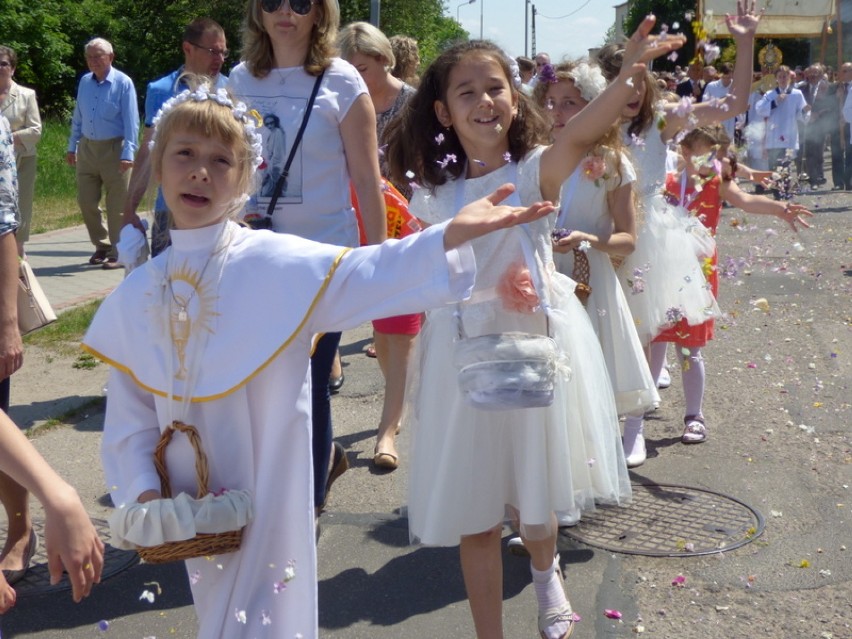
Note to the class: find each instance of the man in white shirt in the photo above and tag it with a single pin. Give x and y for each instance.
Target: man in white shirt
(784, 107)
(718, 90)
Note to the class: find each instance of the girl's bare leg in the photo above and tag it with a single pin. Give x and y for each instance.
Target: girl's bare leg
(482, 568)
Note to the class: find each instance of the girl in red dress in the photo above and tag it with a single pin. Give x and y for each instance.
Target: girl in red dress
(705, 181)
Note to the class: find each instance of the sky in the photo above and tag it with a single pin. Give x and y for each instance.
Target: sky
(570, 36)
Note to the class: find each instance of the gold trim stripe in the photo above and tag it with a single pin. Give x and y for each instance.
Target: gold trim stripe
(278, 351)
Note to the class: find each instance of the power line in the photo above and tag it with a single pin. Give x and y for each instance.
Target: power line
(567, 15)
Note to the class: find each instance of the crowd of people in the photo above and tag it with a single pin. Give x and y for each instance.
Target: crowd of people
(636, 164)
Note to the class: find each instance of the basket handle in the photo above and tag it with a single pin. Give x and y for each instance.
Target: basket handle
(202, 472)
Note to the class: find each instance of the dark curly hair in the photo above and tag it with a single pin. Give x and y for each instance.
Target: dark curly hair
(411, 135)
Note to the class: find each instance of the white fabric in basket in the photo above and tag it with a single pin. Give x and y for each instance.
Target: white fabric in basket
(162, 520)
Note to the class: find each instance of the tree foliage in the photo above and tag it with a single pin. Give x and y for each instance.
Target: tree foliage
(49, 35)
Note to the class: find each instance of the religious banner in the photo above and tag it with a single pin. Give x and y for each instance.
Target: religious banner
(783, 18)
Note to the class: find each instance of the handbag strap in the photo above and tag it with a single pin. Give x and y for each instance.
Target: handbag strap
(282, 179)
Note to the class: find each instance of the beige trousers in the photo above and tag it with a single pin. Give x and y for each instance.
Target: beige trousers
(97, 168)
(26, 165)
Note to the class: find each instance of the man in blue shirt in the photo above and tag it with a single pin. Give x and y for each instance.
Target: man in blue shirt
(104, 134)
(204, 51)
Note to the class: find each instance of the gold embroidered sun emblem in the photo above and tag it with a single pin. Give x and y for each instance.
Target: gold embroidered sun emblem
(192, 310)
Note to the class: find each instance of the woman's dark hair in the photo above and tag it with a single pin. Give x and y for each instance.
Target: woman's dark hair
(412, 135)
(610, 59)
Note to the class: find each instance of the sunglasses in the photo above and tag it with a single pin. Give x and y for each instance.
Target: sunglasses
(299, 7)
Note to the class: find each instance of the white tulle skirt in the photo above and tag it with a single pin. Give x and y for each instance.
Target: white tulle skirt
(471, 469)
(612, 321)
(663, 279)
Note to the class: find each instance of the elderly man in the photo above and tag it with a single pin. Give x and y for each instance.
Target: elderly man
(841, 145)
(104, 134)
(815, 88)
(204, 53)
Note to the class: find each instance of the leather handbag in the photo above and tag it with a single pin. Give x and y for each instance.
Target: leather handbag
(34, 310)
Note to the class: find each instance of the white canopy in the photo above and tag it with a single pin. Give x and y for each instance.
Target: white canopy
(783, 18)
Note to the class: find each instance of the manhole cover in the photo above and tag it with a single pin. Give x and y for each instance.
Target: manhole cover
(37, 579)
(666, 521)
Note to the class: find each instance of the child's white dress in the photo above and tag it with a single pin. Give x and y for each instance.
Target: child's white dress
(261, 303)
(663, 279)
(469, 467)
(583, 207)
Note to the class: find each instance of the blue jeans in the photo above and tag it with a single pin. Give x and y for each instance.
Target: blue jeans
(321, 362)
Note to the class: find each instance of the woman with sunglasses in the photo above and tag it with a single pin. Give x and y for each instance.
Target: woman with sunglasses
(288, 47)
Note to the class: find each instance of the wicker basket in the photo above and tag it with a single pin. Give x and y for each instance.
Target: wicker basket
(202, 545)
(580, 274)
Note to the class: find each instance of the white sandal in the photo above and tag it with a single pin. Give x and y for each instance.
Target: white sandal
(551, 616)
(694, 431)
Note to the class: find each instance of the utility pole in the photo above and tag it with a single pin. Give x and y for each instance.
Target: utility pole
(526, 28)
(533, 30)
(375, 13)
(481, 18)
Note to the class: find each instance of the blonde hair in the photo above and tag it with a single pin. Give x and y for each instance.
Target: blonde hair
(610, 145)
(364, 38)
(257, 45)
(212, 120)
(407, 56)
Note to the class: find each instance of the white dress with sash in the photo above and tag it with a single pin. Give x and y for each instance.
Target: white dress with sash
(471, 468)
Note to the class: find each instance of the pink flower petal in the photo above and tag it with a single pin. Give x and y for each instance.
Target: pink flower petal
(612, 613)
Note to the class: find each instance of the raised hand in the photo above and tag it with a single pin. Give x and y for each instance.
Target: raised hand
(487, 215)
(643, 47)
(744, 24)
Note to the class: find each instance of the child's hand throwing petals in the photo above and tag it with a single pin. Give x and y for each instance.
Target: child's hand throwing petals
(744, 24)
(486, 215)
(642, 47)
(793, 214)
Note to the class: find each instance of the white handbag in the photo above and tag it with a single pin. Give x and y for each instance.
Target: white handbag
(510, 370)
(34, 310)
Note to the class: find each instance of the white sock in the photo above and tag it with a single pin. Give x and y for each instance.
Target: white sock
(551, 596)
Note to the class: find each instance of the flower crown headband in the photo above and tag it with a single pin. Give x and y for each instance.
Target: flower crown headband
(588, 79)
(249, 119)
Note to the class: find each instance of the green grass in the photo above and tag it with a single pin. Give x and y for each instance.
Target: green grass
(55, 204)
(65, 333)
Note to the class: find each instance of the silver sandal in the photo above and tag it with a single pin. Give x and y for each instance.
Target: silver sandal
(694, 431)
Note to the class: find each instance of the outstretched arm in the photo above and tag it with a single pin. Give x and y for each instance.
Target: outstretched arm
(743, 28)
(587, 127)
(792, 214)
(71, 539)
